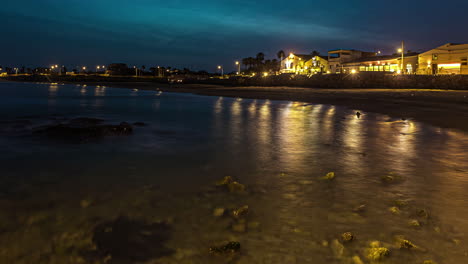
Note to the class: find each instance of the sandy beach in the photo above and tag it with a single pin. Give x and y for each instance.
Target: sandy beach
(442, 108)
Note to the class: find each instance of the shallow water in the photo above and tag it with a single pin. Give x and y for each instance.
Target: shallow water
(53, 194)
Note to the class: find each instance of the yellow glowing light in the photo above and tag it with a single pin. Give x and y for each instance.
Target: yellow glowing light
(56, 66)
(237, 63)
(219, 67)
(400, 50)
(265, 74)
(98, 67)
(353, 71)
(399, 72)
(84, 68)
(291, 56)
(450, 65)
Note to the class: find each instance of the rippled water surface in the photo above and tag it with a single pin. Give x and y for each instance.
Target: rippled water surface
(66, 202)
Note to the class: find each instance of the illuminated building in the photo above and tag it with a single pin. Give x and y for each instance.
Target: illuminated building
(384, 63)
(304, 64)
(336, 58)
(446, 59)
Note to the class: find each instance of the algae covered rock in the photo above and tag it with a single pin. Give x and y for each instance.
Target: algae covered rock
(241, 212)
(357, 260)
(414, 223)
(347, 237)
(225, 181)
(376, 252)
(394, 210)
(218, 212)
(423, 213)
(391, 178)
(406, 244)
(330, 176)
(230, 247)
(337, 248)
(236, 187)
(231, 185)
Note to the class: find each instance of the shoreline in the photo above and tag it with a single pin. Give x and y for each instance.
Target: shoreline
(441, 108)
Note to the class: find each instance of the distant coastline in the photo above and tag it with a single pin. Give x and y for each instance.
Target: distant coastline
(442, 108)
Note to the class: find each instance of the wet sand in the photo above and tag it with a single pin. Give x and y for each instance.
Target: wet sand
(441, 108)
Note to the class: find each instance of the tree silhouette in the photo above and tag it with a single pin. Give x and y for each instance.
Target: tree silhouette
(281, 55)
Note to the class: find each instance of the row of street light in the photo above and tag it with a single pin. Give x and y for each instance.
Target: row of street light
(237, 63)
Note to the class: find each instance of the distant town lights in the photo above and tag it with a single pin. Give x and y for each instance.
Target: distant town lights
(353, 71)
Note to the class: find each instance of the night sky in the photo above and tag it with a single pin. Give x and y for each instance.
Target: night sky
(200, 34)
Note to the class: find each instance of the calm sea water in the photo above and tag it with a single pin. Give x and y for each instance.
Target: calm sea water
(53, 194)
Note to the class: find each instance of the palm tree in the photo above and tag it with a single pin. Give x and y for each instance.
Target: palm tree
(315, 53)
(260, 58)
(281, 55)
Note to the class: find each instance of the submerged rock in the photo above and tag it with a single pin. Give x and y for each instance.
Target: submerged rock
(357, 260)
(414, 223)
(423, 213)
(330, 176)
(403, 243)
(225, 181)
(130, 241)
(84, 129)
(337, 248)
(360, 209)
(231, 185)
(376, 252)
(241, 212)
(236, 187)
(218, 212)
(230, 247)
(394, 210)
(392, 178)
(347, 237)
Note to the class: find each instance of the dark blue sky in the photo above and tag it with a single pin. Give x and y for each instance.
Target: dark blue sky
(201, 34)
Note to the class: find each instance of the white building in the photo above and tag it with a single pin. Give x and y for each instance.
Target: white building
(446, 59)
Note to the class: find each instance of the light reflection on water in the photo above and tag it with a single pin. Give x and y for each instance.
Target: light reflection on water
(279, 150)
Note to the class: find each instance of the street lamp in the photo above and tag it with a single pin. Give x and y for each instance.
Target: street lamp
(402, 51)
(222, 70)
(238, 67)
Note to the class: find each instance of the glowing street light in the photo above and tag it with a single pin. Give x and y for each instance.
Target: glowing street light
(353, 71)
(238, 67)
(402, 51)
(222, 70)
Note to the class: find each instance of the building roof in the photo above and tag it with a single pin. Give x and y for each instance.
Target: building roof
(376, 58)
(305, 57)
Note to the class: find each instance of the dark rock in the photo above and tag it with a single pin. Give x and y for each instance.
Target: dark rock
(231, 247)
(84, 129)
(131, 241)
